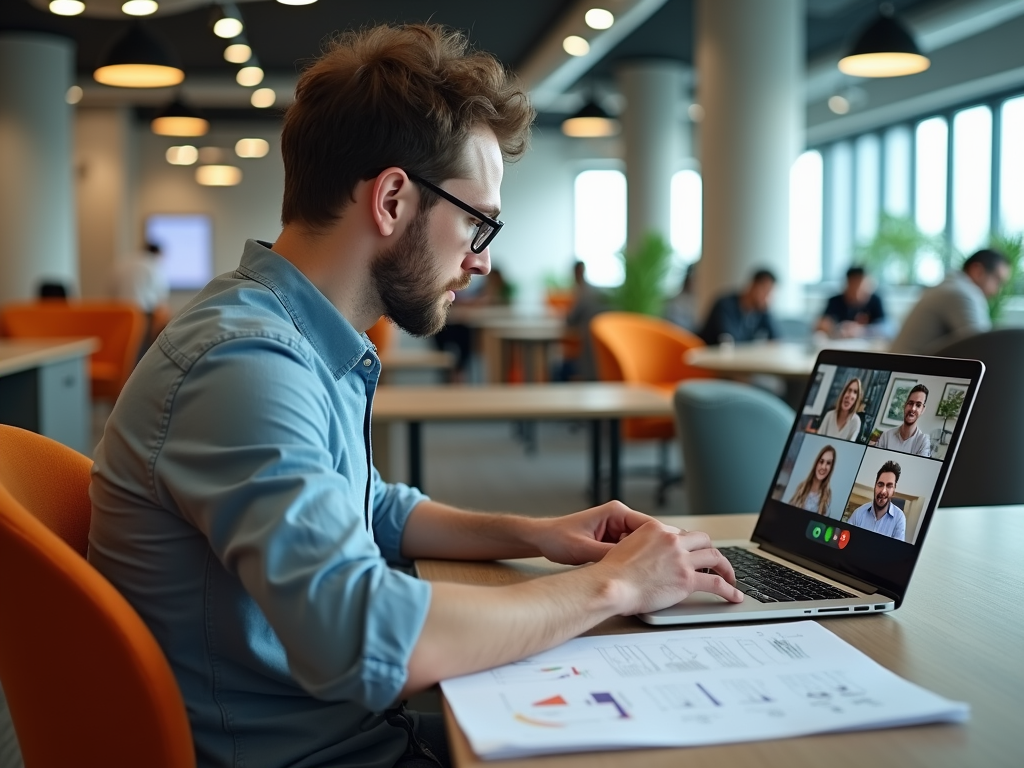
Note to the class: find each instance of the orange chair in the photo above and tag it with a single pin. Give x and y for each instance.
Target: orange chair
(648, 350)
(118, 326)
(84, 679)
(382, 334)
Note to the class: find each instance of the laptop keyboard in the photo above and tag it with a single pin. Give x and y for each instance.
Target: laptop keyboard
(769, 582)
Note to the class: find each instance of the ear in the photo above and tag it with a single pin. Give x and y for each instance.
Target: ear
(394, 200)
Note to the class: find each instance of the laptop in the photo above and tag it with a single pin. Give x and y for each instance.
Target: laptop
(848, 510)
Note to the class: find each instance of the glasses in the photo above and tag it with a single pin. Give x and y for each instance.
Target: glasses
(486, 230)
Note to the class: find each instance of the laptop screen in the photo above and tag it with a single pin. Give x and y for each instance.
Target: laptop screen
(866, 461)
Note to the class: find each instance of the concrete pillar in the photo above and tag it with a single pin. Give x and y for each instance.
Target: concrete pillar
(750, 62)
(653, 142)
(37, 213)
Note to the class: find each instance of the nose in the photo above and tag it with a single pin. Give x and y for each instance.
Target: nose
(478, 263)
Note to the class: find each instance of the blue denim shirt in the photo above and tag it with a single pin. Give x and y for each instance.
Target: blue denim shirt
(236, 507)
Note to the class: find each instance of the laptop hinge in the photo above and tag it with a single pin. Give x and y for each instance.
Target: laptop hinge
(842, 578)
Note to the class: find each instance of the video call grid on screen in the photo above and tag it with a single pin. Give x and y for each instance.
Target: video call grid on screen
(849, 430)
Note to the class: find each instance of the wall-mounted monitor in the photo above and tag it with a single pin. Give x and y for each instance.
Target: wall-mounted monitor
(186, 245)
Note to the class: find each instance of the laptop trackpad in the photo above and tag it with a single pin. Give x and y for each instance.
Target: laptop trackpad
(703, 598)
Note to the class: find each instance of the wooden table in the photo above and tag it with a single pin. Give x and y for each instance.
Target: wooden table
(44, 387)
(596, 402)
(789, 359)
(960, 633)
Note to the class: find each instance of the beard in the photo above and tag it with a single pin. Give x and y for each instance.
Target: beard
(408, 280)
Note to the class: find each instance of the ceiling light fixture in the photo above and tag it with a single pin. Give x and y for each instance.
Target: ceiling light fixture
(186, 154)
(74, 94)
(591, 122)
(252, 147)
(237, 53)
(226, 20)
(67, 7)
(575, 45)
(263, 98)
(249, 76)
(179, 119)
(884, 49)
(138, 59)
(218, 175)
(838, 104)
(140, 7)
(599, 18)
(296, 2)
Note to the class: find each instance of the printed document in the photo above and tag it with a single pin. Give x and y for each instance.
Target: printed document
(685, 688)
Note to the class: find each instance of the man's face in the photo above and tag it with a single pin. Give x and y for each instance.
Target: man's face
(885, 487)
(992, 282)
(913, 408)
(417, 278)
(761, 294)
(855, 289)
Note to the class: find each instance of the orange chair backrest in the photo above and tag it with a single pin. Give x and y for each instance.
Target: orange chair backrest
(85, 681)
(382, 334)
(638, 348)
(119, 327)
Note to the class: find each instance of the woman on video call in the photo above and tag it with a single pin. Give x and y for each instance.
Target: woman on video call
(843, 423)
(815, 493)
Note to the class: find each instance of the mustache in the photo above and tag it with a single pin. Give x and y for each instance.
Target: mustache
(460, 284)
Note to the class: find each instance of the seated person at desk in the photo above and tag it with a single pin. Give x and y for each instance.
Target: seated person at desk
(743, 316)
(843, 422)
(956, 307)
(815, 493)
(857, 308)
(235, 503)
(880, 514)
(908, 437)
(587, 302)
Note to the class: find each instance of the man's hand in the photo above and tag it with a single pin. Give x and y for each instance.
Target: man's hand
(585, 537)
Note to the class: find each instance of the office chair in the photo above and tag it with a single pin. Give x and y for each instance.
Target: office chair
(732, 435)
(85, 681)
(119, 327)
(646, 350)
(987, 470)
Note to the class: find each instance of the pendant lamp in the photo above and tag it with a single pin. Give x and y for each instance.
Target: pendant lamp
(179, 119)
(138, 59)
(591, 122)
(884, 49)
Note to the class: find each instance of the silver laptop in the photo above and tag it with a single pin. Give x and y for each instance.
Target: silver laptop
(857, 483)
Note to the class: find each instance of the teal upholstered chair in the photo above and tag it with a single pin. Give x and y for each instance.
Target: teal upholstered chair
(732, 437)
(988, 468)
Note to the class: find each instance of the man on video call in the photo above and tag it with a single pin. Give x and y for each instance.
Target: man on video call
(908, 437)
(880, 514)
(235, 503)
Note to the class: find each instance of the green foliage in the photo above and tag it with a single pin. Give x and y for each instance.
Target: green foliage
(643, 289)
(950, 405)
(1010, 247)
(893, 254)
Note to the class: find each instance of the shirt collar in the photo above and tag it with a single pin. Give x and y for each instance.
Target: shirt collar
(324, 327)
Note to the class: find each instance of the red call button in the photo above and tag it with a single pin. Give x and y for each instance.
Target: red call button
(844, 539)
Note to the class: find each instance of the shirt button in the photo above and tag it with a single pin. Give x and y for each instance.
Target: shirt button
(367, 362)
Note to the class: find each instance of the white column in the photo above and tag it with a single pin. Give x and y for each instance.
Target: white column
(750, 63)
(654, 142)
(37, 213)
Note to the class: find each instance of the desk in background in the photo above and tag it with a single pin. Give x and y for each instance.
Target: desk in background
(959, 633)
(596, 402)
(44, 387)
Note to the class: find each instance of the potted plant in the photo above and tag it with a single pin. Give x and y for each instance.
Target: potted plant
(643, 289)
(1010, 247)
(949, 408)
(892, 255)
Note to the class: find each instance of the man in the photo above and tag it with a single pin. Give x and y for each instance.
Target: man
(743, 316)
(908, 437)
(956, 307)
(880, 514)
(235, 503)
(852, 312)
(588, 302)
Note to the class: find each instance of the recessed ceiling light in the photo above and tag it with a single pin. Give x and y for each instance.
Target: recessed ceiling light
(252, 147)
(218, 175)
(695, 112)
(575, 45)
(67, 7)
(238, 53)
(599, 18)
(186, 154)
(74, 94)
(227, 27)
(839, 104)
(263, 98)
(140, 7)
(249, 76)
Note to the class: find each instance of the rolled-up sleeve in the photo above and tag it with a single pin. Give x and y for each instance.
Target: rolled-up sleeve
(261, 461)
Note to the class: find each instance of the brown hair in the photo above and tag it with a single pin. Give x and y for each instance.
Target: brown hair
(803, 490)
(405, 96)
(842, 394)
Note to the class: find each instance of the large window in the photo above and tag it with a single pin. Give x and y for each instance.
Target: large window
(687, 212)
(896, 181)
(930, 179)
(869, 186)
(1011, 167)
(600, 221)
(972, 178)
(805, 217)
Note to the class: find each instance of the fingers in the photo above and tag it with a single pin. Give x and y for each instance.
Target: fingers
(716, 561)
(716, 585)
